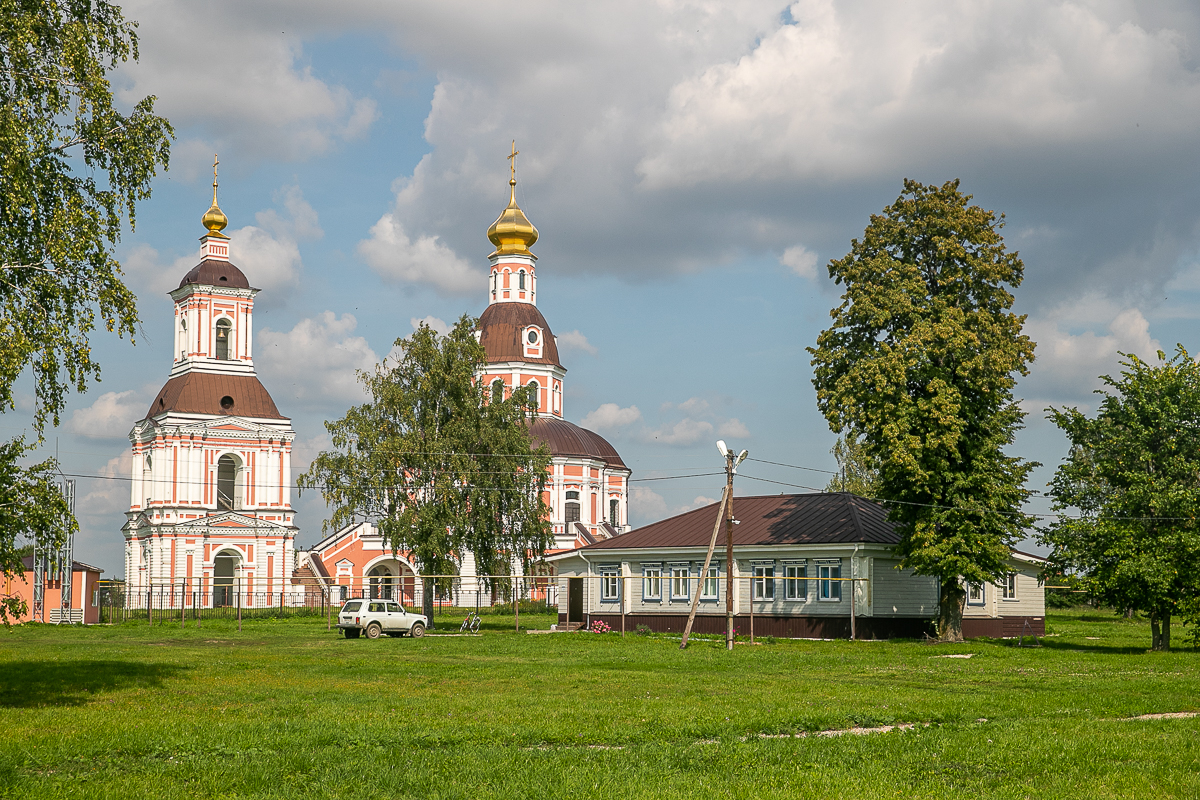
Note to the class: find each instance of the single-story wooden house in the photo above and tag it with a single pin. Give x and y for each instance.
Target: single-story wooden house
(793, 555)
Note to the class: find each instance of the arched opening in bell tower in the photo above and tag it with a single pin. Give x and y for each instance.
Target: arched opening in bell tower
(224, 329)
(229, 488)
(382, 583)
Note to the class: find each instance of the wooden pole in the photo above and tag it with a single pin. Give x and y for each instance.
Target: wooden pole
(238, 587)
(729, 590)
(517, 605)
(852, 601)
(752, 609)
(712, 544)
(622, 603)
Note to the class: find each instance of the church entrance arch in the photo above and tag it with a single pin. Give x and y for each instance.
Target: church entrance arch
(382, 583)
(225, 566)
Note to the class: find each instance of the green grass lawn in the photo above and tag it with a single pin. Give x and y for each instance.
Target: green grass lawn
(286, 709)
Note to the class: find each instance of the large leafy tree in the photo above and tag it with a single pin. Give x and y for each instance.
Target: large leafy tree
(920, 363)
(72, 168)
(857, 473)
(440, 462)
(1132, 476)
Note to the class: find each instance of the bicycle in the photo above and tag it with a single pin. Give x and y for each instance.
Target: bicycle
(471, 623)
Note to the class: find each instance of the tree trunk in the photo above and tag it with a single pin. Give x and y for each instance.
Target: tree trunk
(950, 610)
(1160, 631)
(427, 600)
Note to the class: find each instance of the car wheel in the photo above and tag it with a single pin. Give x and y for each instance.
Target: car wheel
(418, 630)
(373, 631)
(352, 633)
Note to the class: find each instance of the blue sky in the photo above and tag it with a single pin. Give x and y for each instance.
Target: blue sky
(691, 168)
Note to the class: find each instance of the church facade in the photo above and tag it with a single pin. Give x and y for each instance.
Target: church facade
(587, 487)
(210, 518)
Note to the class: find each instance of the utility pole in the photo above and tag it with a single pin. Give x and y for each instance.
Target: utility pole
(729, 467)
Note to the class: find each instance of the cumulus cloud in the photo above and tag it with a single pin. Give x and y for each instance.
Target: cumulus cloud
(1068, 365)
(247, 85)
(610, 416)
(430, 321)
(800, 260)
(301, 220)
(684, 432)
(733, 427)
(574, 340)
(646, 505)
(112, 414)
(397, 258)
(329, 353)
(108, 498)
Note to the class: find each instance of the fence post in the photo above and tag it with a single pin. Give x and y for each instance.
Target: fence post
(238, 586)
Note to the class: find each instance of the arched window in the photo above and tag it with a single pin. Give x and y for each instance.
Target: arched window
(224, 568)
(224, 328)
(613, 505)
(521, 279)
(227, 494)
(183, 337)
(571, 508)
(498, 391)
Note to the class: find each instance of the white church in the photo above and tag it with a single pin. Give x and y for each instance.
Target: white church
(211, 501)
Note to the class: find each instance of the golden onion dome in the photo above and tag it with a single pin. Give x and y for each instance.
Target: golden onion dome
(512, 232)
(215, 220)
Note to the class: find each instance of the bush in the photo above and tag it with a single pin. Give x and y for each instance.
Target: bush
(526, 607)
(642, 630)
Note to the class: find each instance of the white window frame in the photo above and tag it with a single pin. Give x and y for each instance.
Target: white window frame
(763, 582)
(652, 582)
(976, 594)
(1008, 590)
(795, 582)
(610, 585)
(713, 579)
(681, 577)
(830, 590)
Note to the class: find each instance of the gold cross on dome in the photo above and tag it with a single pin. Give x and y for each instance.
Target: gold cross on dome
(215, 162)
(513, 160)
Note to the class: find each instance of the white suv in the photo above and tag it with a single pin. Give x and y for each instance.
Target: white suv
(378, 617)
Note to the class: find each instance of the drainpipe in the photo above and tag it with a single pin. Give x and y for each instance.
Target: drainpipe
(586, 604)
(853, 562)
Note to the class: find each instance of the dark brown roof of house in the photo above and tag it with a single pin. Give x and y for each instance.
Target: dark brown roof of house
(202, 392)
(500, 328)
(211, 272)
(566, 439)
(774, 519)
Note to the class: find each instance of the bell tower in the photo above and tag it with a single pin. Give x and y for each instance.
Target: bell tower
(210, 510)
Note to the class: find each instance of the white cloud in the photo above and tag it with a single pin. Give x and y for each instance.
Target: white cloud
(301, 221)
(111, 415)
(646, 505)
(242, 81)
(396, 257)
(684, 432)
(430, 321)
(1068, 365)
(271, 263)
(108, 498)
(733, 427)
(574, 340)
(316, 361)
(609, 416)
(800, 260)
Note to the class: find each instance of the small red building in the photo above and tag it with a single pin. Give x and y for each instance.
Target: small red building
(84, 603)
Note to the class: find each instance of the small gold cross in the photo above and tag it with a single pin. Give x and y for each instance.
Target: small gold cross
(513, 159)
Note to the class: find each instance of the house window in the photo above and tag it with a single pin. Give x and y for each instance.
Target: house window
(652, 583)
(975, 595)
(223, 330)
(610, 586)
(712, 583)
(794, 581)
(571, 509)
(831, 587)
(680, 582)
(521, 279)
(1010, 586)
(764, 582)
(612, 513)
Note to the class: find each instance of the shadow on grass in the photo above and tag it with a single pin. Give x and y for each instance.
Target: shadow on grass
(29, 684)
(1052, 644)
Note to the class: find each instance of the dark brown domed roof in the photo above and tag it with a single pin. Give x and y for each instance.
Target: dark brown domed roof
(207, 393)
(566, 439)
(500, 329)
(211, 272)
